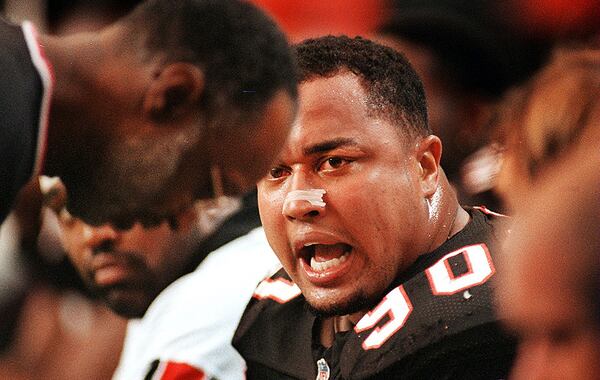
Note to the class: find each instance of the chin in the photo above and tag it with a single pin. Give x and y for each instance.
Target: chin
(127, 309)
(325, 307)
(126, 304)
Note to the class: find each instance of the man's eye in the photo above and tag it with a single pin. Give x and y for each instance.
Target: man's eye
(333, 163)
(277, 172)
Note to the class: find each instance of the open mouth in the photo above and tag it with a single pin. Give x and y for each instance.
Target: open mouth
(323, 257)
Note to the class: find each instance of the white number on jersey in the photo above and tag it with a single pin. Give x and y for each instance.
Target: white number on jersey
(398, 307)
(479, 262)
(280, 290)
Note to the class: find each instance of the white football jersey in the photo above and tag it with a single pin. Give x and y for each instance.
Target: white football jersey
(188, 328)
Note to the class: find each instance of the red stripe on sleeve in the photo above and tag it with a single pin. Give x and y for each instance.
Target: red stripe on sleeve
(181, 371)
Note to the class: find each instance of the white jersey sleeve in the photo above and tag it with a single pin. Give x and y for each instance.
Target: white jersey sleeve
(189, 326)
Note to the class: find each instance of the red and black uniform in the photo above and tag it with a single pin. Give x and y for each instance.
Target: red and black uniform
(25, 86)
(437, 321)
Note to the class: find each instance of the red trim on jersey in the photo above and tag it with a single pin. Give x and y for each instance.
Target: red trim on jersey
(180, 371)
(44, 68)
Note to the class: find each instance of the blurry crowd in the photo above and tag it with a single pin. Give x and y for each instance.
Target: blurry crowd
(513, 93)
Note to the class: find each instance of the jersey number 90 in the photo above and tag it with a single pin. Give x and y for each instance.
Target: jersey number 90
(443, 282)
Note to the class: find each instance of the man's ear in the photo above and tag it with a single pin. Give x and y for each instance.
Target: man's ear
(174, 92)
(429, 153)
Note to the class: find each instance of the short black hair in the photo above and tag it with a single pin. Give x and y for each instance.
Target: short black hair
(244, 55)
(394, 90)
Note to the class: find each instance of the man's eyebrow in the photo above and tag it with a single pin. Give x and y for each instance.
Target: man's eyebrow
(328, 145)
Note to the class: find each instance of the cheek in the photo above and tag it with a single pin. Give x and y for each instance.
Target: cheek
(382, 218)
(378, 207)
(158, 159)
(154, 245)
(270, 205)
(366, 219)
(73, 244)
(77, 255)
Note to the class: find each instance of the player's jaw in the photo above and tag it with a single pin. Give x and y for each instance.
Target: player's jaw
(123, 282)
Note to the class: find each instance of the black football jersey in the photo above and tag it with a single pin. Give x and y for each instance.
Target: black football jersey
(436, 322)
(23, 74)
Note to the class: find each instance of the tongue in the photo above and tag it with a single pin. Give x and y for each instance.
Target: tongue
(328, 252)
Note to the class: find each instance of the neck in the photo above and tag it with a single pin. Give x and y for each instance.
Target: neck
(339, 323)
(460, 221)
(446, 216)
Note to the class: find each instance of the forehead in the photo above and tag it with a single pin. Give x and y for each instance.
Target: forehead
(338, 107)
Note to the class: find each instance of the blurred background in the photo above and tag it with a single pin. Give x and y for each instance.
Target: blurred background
(469, 53)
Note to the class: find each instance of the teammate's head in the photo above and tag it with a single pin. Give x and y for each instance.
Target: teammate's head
(182, 87)
(126, 269)
(361, 136)
(242, 54)
(546, 118)
(549, 289)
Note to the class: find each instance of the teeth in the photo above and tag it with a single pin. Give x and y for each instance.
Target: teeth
(324, 265)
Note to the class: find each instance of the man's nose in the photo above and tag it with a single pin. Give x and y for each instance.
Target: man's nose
(303, 201)
(101, 238)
